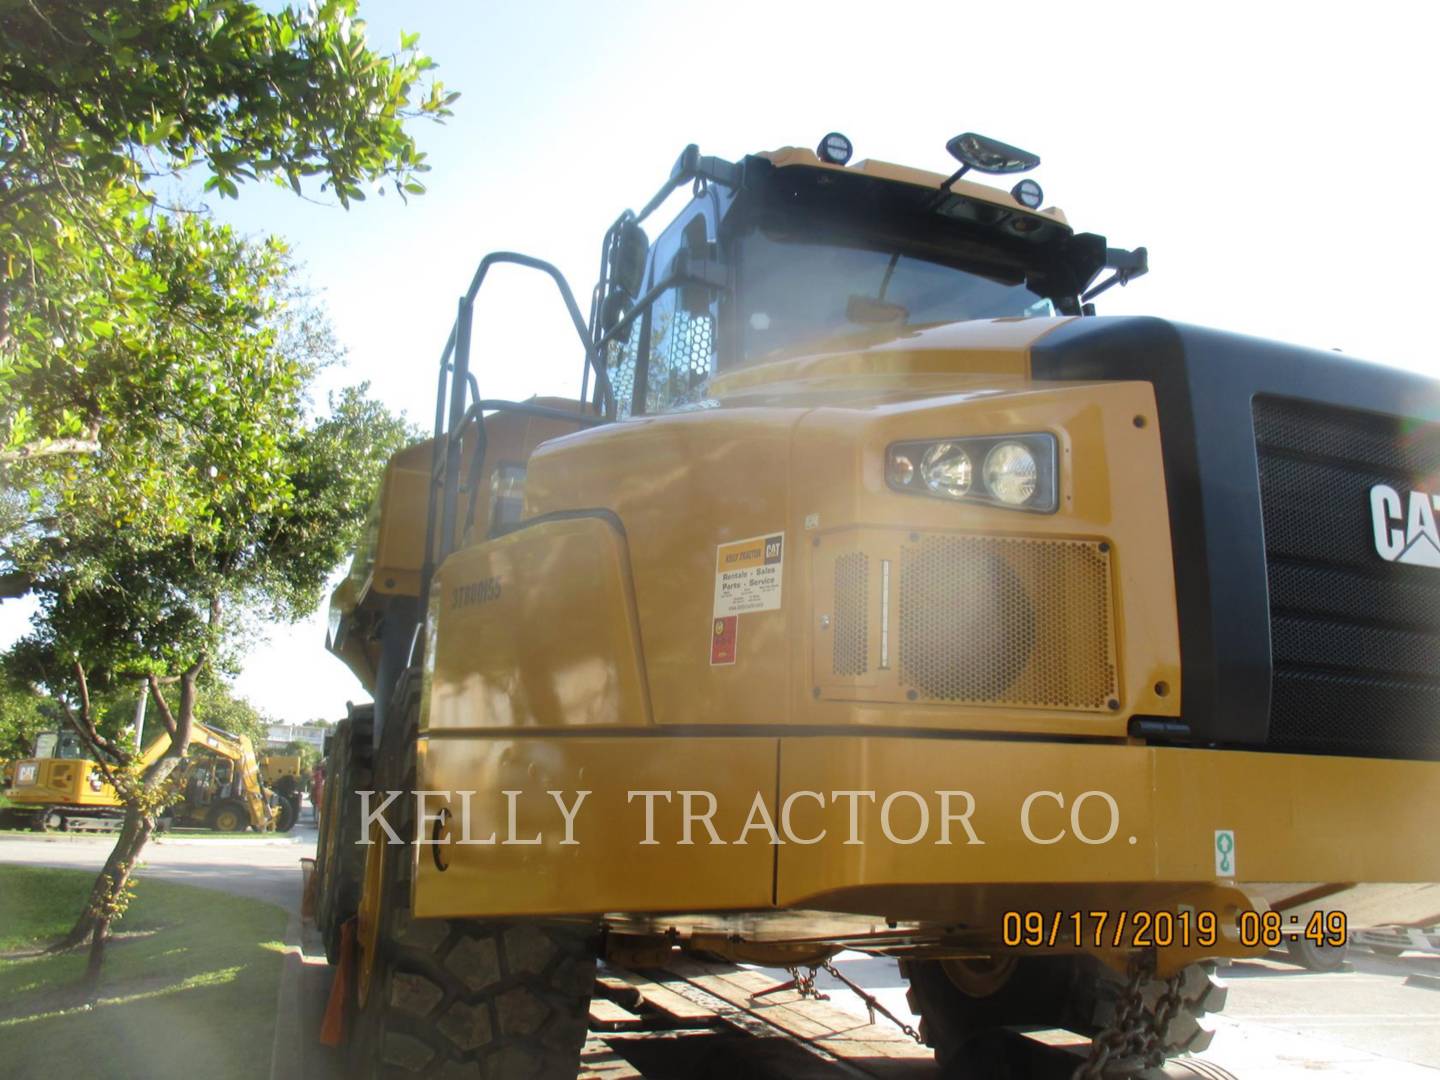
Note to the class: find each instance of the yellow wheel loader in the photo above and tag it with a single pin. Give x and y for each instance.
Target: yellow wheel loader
(877, 593)
(219, 786)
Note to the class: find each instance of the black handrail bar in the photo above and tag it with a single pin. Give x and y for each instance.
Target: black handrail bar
(464, 389)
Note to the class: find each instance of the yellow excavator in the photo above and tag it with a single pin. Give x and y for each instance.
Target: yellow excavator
(219, 785)
(876, 592)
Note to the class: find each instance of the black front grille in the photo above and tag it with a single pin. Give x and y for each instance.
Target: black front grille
(1355, 640)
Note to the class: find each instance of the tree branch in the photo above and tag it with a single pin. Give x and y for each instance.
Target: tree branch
(166, 716)
(84, 726)
(50, 448)
(15, 583)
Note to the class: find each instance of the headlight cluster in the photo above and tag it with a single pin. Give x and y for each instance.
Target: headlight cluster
(1016, 471)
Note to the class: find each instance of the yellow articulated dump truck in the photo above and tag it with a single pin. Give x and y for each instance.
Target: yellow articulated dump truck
(877, 593)
(218, 786)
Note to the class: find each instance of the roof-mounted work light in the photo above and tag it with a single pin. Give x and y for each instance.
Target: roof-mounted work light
(834, 149)
(1028, 194)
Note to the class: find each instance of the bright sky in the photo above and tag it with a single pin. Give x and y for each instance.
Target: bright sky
(1276, 159)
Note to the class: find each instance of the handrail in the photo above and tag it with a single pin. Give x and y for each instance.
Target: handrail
(464, 402)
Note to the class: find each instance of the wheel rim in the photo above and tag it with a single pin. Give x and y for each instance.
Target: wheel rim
(367, 929)
(227, 821)
(979, 977)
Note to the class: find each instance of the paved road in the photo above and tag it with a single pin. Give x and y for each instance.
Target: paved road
(261, 869)
(1365, 1022)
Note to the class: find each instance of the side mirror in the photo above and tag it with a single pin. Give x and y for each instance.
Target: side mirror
(627, 258)
(990, 155)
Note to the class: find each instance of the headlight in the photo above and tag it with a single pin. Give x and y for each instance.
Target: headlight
(1011, 472)
(1016, 471)
(946, 469)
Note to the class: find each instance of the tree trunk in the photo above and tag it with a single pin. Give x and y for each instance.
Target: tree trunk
(95, 920)
(104, 907)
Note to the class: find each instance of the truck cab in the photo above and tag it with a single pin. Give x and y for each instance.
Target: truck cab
(785, 251)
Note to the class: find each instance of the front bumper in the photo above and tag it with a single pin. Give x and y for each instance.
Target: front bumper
(1102, 823)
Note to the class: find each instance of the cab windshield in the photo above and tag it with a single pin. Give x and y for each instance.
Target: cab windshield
(796, 290)
(64, 744)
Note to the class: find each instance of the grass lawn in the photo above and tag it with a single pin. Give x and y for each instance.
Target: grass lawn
(188, 990)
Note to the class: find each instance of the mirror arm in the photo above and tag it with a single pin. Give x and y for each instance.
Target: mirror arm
(691, 166)
(1128, 265)
(939, 197)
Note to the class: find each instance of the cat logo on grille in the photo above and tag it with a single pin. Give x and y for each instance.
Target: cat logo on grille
(1405, 531)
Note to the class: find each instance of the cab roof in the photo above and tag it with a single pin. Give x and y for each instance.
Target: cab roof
(886, 170)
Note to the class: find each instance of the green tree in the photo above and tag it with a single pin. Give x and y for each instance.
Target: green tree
(307, 754)
(217, 705)
(24, 714)
(171, 611)
(98, 104)
(163, 477)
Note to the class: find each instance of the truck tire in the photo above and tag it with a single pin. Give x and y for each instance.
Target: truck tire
(287, 816)
(454, 997)
(1315, 957)
(344, 853)
(229, 816)
(963, 1018)
(463, 997)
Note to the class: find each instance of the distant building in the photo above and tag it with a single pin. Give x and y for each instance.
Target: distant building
(280, 734)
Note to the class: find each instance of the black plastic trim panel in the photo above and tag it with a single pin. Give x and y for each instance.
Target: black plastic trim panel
(1205, 385)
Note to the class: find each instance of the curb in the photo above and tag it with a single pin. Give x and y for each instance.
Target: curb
(286, 1052)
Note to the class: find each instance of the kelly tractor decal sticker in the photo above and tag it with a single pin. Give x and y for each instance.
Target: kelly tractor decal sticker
(748, 577)
(1405, 528)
